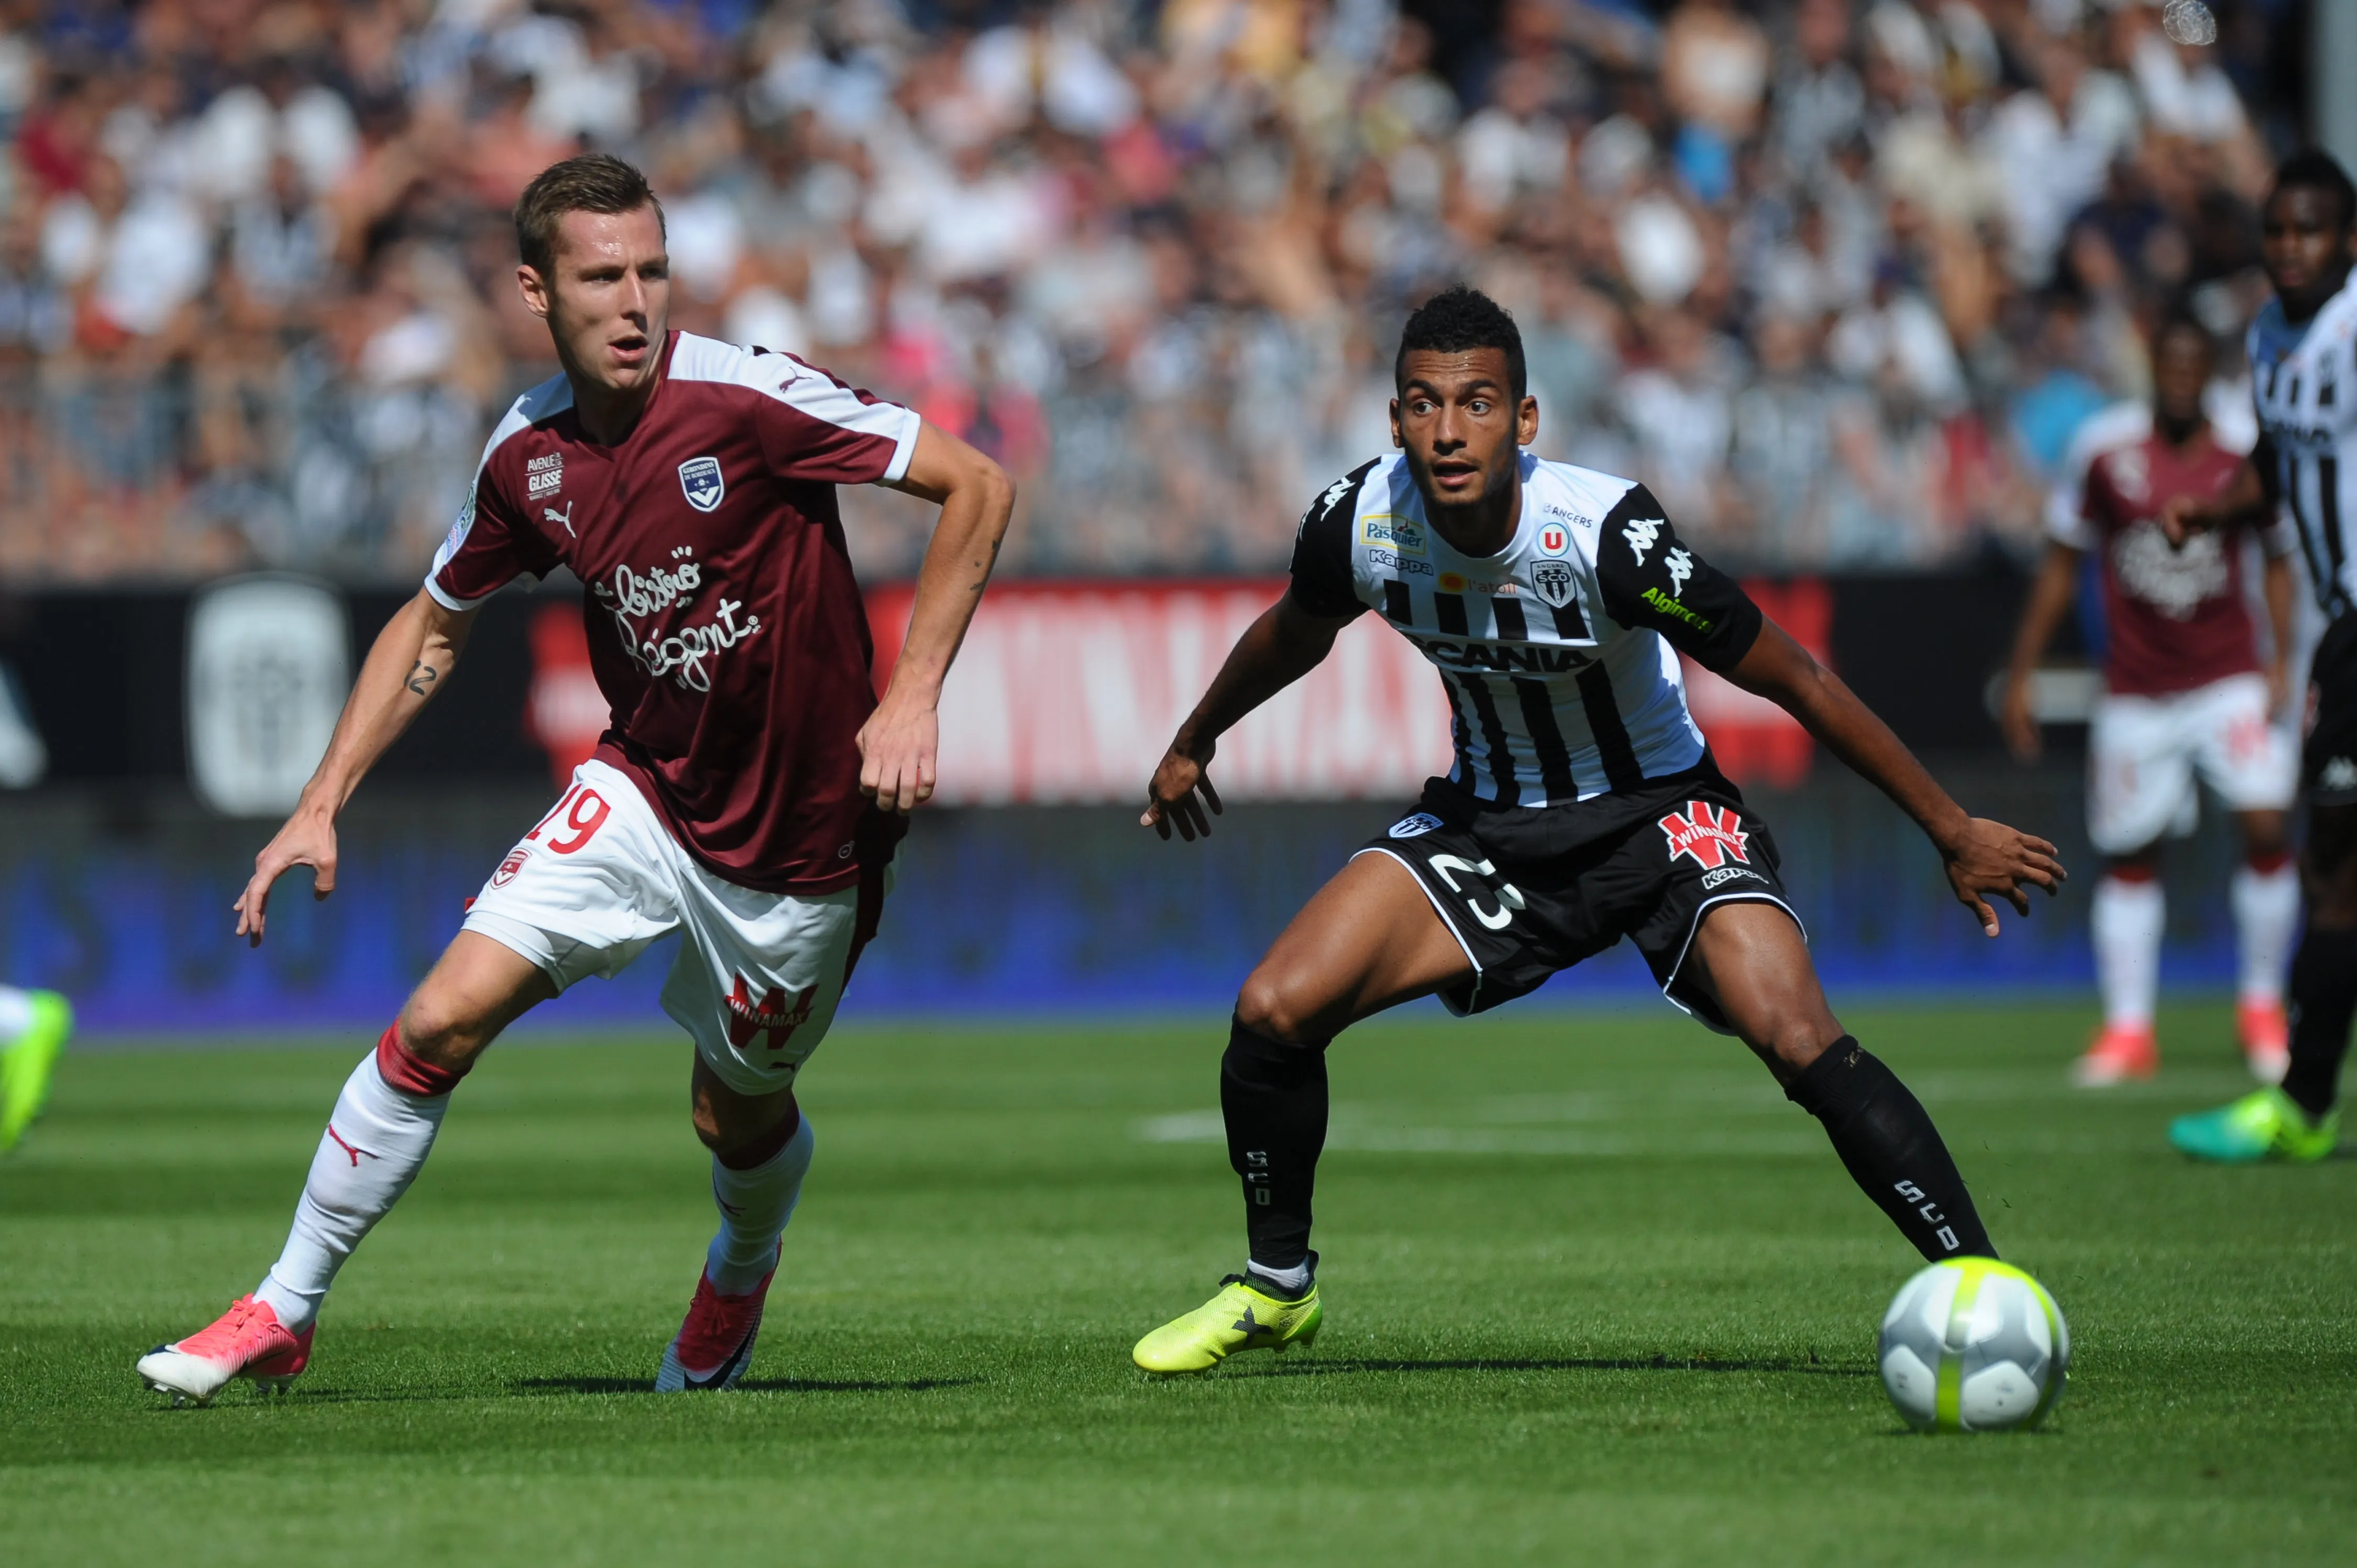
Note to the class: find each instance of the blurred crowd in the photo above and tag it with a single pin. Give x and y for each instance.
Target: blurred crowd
(1838, 279)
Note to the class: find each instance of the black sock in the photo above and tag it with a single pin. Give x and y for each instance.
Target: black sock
(2323, 999)
(1885, 1139)
(1273, 1096)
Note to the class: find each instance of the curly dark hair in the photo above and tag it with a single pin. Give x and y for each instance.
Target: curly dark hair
(2313, 169)
(1457, 319)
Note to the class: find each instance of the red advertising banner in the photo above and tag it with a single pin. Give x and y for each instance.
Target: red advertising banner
(1068, 692)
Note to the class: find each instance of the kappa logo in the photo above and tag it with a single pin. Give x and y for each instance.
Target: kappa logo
(1553, 580)
(775, 1015)
(511, 864)
(1711, 835)
(1415, 826)
(700, 481)
(1681, 567)
(1640, 533)
(1555, 538)
(543, 475)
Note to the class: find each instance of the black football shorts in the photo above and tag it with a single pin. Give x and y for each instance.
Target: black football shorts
(2328, 765)
(1530, 890)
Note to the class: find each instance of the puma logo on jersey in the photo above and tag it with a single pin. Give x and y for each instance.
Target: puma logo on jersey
(1640, 533)
(1681, 567)
(550, 514)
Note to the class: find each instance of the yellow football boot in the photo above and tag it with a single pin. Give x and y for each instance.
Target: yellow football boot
(1241, 1317)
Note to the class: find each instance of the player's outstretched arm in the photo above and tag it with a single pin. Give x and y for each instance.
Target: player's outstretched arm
(900, 744)
(1982, 857)
(2050, 598)
(1285, 644)
(411, 657)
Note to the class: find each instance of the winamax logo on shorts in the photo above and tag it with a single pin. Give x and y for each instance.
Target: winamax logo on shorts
(1712, 836)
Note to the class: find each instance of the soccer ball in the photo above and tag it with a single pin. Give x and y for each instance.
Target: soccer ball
(1974, 1345)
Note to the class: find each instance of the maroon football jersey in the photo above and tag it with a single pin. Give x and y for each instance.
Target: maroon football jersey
(725, 627)
(2178, 619)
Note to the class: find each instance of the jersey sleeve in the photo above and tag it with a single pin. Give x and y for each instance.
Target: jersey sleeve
(1651, 580)
(489, 546)
(1322, 582)
(816, 428)
(2071, 510)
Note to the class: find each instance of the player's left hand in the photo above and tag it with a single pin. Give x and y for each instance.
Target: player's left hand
(897, 748)
(1988, 858)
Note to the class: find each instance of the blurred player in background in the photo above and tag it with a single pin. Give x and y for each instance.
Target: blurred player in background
(2303, 349)
(1584, 807)
(2184, 698)
(34, 1028)
(750, 791)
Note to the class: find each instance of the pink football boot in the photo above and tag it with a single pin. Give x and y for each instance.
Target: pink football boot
(246, 1342)
(716, 1343)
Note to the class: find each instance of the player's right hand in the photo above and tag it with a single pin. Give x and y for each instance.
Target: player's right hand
(1988, 858)
(2018, 723)
(1171, 796)
(308, 838)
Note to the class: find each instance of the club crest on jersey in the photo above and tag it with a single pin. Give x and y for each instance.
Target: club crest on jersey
(700, 481)
(1415, 826)
(1553, 580)
(1555, 538)
(511, 866)
(1640, 533)
(1712, 836)
(775, 1015)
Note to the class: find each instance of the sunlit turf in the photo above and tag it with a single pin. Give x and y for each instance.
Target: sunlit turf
(1594, 1293)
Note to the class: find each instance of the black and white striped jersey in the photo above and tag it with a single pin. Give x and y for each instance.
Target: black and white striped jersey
(1559, 653)
(2304, 380)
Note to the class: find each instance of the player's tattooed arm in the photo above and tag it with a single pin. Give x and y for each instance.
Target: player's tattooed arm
(900, 744)
(408, 662)
(1984, 859)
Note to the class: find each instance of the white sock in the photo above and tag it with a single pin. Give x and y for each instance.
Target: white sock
(754, 1207)
(2127, 921)
(1290, 1283)
(16, 1012)
(2266, 913)
(372, 1148)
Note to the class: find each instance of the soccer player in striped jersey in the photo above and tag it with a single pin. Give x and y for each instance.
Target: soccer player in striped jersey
(1584, 807)
(2303, 349)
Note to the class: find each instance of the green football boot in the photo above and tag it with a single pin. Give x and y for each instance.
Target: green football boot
(1241, 1317)
(27, 1062)
(2262, 1125)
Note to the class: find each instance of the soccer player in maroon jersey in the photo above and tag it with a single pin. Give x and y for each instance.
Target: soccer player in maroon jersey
(2185, 697)
(750, 791)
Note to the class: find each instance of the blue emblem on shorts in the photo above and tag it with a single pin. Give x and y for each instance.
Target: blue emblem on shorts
(699, 480)
(1414, 826)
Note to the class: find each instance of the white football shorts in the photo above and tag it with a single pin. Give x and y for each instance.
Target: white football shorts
(757, 978)
(2145, 753)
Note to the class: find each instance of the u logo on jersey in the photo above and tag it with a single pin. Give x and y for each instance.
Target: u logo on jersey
(1555, 538)
(700, 481)
(1710, 836)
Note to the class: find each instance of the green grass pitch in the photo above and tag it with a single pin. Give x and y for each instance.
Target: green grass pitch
(1594, 1293)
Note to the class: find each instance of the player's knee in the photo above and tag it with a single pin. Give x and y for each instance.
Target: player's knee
(442, 1030)
(1274, 1007)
